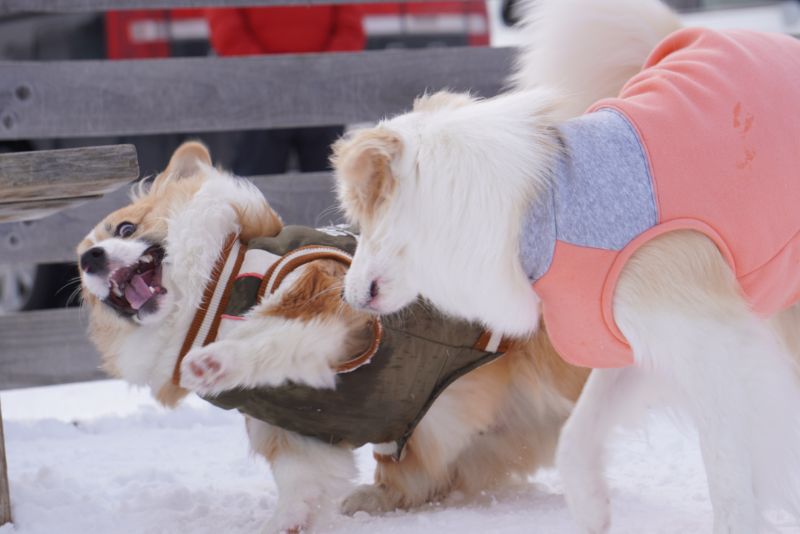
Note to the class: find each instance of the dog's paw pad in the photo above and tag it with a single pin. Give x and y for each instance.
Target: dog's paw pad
(203, 372)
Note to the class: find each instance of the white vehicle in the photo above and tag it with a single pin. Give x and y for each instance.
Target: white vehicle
(771, 16)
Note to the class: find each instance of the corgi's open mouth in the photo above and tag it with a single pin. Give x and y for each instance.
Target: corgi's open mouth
(134, 290)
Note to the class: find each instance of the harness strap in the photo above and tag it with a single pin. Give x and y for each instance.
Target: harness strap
(302, 255)
(215, 297)
(205, 324)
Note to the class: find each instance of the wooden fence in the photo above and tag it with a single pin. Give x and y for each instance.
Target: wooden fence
(64, 99)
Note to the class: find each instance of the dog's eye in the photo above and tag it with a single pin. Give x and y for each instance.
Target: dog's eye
(125, 229)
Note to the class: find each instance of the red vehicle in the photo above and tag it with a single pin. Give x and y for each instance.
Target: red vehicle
(184, 32)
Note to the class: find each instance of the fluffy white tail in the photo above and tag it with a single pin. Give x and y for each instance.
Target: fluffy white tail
(588, 49)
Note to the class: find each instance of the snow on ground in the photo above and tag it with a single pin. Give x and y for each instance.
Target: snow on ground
(101, 457)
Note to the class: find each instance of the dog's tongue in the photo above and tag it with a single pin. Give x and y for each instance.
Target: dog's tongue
(138, 292)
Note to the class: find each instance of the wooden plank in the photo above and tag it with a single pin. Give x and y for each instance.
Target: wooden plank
(98, 98)
(27, 210)
(71, 172)
(5, 496)
(46, 347)
(68, 6)
(299, 199)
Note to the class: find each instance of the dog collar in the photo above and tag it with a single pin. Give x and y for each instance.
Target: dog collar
(235, 263)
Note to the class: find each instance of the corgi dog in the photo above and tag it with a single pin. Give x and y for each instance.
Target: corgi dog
(144, 270)
(657, 235)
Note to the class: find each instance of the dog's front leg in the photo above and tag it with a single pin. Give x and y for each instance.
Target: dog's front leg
(262, 351)
(311, 476)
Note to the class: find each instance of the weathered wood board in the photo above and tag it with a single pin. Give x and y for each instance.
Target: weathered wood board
(100, 98)
(37, 184)
(40, 348)
(299, 199)
(65, 173)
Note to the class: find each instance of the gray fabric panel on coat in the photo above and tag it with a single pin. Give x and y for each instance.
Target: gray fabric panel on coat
(601, 196)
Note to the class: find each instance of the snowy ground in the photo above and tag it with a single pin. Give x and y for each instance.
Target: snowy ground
(102, 458)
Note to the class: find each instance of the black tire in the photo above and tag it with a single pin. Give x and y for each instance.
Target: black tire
(53, 285)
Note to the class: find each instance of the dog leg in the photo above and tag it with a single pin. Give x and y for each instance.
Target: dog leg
(311, 476)
(427, 468)
(681, 310)
(267, 359)
(580, 452)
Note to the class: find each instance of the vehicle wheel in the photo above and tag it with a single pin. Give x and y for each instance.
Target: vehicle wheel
(35, 287)
(16, 285)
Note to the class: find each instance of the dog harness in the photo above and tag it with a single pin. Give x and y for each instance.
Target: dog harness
(382, 393)
(706, 138)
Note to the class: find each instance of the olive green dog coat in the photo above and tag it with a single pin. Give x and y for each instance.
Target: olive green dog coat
(421, 352)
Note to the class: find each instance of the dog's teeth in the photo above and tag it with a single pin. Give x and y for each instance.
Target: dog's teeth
(117, 291)
(147, 258)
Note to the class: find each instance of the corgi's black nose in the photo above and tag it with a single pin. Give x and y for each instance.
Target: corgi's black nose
(94, 260)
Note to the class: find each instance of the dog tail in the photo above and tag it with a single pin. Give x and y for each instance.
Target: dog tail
(587, 49)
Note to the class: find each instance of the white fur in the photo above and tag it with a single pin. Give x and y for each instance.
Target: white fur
(311, 476)
(587, 49)
(451, 154)
(268, 351)
(462, 180)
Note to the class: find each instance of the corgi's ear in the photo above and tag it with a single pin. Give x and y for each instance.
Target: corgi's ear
(363, 169)
(185, 159)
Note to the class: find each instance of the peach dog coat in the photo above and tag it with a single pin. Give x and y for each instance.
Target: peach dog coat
(706, 137)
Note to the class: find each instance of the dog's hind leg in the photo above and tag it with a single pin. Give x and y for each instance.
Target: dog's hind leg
(680, 307)
(607, 398)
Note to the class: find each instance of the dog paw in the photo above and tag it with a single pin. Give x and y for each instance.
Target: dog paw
(368, 498)
(290, 519)
(585, 490)
(210, 370)
(591, 507)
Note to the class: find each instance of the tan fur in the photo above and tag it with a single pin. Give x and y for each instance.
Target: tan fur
(512, 408)
(515, 407)
(363, 165)
(170, 395)
(150, 210)
(315, 293)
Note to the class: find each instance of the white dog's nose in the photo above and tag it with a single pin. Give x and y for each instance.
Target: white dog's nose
(374, 289)
(361, 296)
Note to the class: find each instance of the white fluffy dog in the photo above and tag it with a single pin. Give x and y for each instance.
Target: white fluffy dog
(443, 197)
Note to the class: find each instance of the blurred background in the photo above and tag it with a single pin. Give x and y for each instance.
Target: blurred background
(131, 35)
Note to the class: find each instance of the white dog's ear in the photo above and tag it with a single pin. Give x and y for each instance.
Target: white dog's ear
(363, 167)
(185, 159)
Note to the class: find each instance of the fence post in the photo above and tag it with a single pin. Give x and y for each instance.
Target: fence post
(5, 498)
